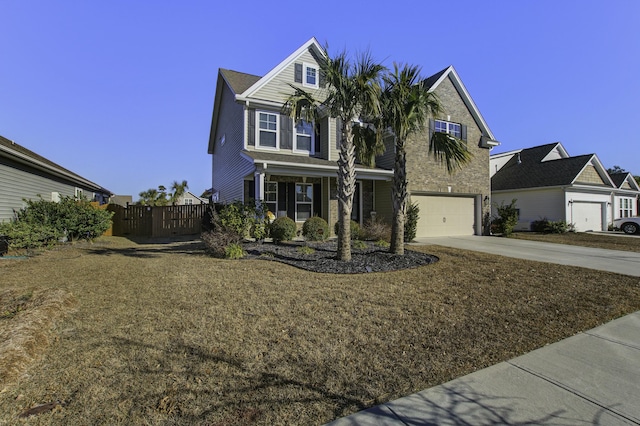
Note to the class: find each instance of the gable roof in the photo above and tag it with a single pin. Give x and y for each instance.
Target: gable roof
(619, 180)
(238, 81)
(434, 81)
(528, 168)
(312, 44)
(20, 154)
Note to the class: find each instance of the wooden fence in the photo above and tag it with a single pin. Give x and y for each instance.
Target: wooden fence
(165, 221)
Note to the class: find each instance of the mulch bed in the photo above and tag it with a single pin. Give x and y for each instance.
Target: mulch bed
(323, 257)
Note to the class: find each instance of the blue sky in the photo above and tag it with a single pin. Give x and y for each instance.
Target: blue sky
(121, 92)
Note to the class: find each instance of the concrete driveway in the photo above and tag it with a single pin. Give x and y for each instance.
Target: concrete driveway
(622, 262)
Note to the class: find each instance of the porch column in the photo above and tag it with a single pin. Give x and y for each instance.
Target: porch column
(259, 185)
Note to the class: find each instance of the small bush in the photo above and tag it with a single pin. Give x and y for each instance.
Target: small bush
(216, 241)
(25, 236)
(540, 225)
(355, 229)
(359, 245)
(382, 244)
(411, 222)
(375, 229)
(283, 229)
(306, 249)
(234, 251)
(547, 226)
(507, 218)
(315, 229)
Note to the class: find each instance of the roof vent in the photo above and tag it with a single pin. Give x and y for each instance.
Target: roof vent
(519, 160)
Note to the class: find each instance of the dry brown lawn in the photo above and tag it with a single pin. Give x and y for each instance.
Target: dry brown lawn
(160, 334)
(611, 242)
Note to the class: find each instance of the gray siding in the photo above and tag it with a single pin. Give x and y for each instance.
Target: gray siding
(229, 167)
(386, 160)
(18, 182)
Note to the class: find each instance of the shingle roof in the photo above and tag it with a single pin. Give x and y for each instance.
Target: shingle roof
(619, 178)
(32, 156)
(430, 81)
(526, 170)
(239, 81)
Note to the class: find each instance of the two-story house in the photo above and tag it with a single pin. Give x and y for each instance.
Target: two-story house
(260, 153)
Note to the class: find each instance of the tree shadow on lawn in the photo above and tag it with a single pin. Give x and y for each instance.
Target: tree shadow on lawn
(153, 250)
(257, 394)
(189, 384)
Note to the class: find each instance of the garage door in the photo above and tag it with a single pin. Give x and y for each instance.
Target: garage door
(587, 216)
(444, 216)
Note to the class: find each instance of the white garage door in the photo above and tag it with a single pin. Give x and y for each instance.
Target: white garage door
(587, 216)
(444, 216)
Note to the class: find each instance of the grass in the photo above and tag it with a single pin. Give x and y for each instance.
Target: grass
(585, 239)
(160, 334)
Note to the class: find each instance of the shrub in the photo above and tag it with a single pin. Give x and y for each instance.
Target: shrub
(359, 245)
(306, 249)
(23, 235)
(382, 243)
(315, 229)
(217, 240)
(355, 229)
(283, 229)
(507, 218)
(376, 229)
(540, 225)
(70, 217)
(411, 222)
(234, 251)
(552, 227)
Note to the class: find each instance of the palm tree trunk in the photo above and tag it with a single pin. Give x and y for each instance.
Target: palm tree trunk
(399, 195)
(346, 190)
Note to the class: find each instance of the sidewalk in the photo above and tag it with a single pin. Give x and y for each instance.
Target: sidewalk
(590, 378)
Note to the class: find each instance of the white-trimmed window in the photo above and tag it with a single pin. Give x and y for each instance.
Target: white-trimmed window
(304, 137)
(267, 130)
(310, 75)
(626, 207)
(188, 201)
(271, 196)
(304, 201)
(78, 193)
(454, 129)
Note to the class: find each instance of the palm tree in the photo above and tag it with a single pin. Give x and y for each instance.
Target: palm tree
(406, 104)
(178, 190)
(353, 92)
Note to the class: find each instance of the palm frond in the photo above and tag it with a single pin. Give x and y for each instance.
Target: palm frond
(450, 151)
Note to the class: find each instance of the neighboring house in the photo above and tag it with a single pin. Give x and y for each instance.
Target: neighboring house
(548, 183)
(189, 198)
(121, 200)
(259, 153)
(627, 195)
(26, 175)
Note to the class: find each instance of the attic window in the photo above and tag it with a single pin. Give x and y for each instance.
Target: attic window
(310, 76)
(454, 129)
(307, 74)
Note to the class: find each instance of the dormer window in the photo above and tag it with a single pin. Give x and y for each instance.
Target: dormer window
(454, 129)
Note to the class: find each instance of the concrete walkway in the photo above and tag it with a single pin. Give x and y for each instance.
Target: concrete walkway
(592, 378)
(622, 262)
